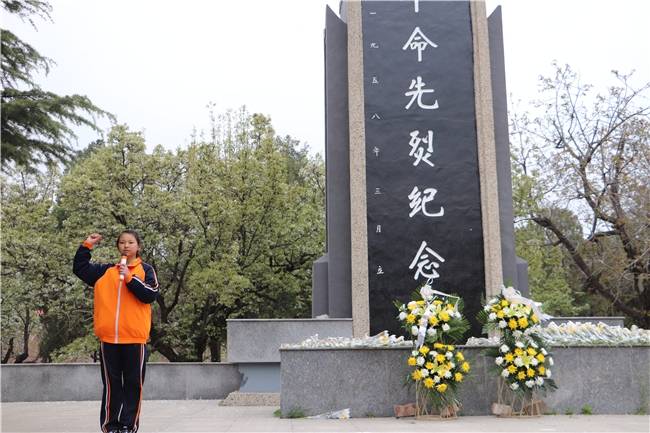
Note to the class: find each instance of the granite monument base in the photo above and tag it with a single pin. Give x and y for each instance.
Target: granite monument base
(603, 380)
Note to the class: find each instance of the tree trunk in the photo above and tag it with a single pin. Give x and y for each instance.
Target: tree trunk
(10, 350)
(215, 350)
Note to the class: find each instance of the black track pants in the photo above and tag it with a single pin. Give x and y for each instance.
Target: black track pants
(123, 367)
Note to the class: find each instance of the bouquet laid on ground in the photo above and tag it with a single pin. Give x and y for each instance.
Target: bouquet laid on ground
(522, 359)
(434, 321)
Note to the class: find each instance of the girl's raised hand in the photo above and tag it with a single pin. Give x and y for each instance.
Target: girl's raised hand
(94, 239)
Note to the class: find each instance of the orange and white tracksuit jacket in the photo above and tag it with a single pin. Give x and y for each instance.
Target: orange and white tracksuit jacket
(121, 310)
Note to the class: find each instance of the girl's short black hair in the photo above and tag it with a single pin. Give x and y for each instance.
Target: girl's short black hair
(135, 234)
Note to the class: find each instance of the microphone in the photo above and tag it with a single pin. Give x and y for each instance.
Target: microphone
(122, 262)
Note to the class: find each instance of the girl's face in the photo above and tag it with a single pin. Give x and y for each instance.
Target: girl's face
(128, 245)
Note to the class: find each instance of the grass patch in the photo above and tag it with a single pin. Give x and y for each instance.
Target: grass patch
(586, 410)
(568, 411)
(277, 413)
(296, 412)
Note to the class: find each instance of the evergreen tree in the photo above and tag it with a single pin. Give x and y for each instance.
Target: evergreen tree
(35, 122)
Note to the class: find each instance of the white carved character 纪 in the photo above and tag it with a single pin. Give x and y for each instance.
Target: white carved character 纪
(419, 200)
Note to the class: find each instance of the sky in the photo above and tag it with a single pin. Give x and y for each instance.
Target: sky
(157, 64)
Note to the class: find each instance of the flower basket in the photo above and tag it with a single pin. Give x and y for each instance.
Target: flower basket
(427, 407)
(516, 404)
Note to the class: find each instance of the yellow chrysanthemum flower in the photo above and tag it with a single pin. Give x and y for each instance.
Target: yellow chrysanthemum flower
(428, 382)
(460, 356)
(424, 350)
(519, 352)
(523, 322)
(444, 316)
(429, 365)
(437, 302)
(458, 377)
(451, 347)
(531, 351)
(509, 357)
(416, 375)
(442, 387)
(512, 369)
(440, 357)
(500, 314)
(541, 370)
(521, 375)
(411, 361)
(410, 318)
(438, 345)
(504, 303)
(540, 357)
(530, 372)
(420, 302)
(465, 367)
(512, 324)
(433, 320)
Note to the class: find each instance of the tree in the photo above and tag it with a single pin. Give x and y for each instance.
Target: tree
(34, 121)
(591, 155)
(40, 298)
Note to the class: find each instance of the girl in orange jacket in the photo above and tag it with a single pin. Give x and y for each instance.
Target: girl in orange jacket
(123, 293)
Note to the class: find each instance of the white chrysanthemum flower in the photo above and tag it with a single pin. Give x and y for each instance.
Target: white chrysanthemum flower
(457, 314)
(550, 361)
(504, 348)
(412, 305)
(445, 327)
(492, 316)
(517, 334)
(519, 344)
(431, 332)
(544, 352)
(505, 373)
(452, 365)
(506, 311)
(424, 372)
(420, 360)
(499, 360)
(502, 324)
(530, 383)
(448, 374)
(514, 386)
(539, 381)
(534, 362)
(402, 315)
(415, 353)
(519, 362)
(449, 355)
(486, 308)
(532, 343)
(548, 374)
(414, 330)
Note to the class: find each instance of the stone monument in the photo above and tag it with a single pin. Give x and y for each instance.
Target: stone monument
(417, 159)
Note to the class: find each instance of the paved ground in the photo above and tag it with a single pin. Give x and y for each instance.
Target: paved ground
(208, 416)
